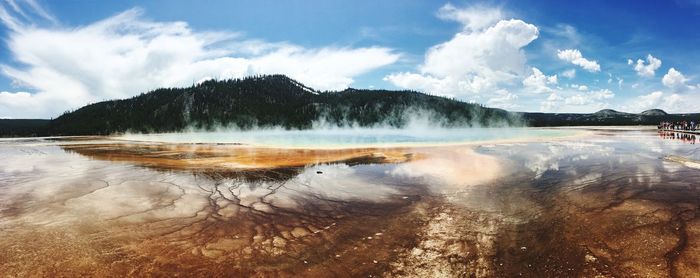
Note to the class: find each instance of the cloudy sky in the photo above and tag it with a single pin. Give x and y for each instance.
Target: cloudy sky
(550, 56)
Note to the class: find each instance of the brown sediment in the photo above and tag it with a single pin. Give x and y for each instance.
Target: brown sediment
(232, 157)
(622, 223)
(321, 238)
(245, 220)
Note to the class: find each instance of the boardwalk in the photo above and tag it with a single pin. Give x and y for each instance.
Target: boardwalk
(681, 131)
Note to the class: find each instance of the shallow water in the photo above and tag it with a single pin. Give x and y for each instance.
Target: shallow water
(608, 203)
(352, 137)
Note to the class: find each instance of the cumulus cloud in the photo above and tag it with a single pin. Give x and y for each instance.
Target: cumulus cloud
(681, 97)
(648, 101)
(675, 80)
(126, 54)
(648, 68)
(479, 59)
(669, 102)
(538, 82)
(575, 57)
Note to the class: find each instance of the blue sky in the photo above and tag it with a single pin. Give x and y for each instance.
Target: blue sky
(553, 56)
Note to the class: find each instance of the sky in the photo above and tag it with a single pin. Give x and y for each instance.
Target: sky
(536, 56)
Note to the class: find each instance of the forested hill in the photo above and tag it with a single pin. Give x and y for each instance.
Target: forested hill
(269, 101)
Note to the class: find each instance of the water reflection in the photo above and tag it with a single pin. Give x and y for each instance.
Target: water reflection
(678, 136)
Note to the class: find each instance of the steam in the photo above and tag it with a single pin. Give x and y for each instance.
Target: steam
(340, 118)
(334, 129)
(412, 117)
(323, 136)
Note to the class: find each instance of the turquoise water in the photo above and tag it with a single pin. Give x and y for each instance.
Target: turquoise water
(333, 138)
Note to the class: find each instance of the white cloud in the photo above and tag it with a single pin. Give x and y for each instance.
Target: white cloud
(673, 103)
(38, 9)
(553, 97)
(125, 55)
(538, 82)
(675, 80)
(23, 12)
(591, 97)
(473, 18)
(575, 57)
(10, 101)
(564, 33)
(649, 101)
(602, 94)
(479, 59)
(570, 73)
(551, 102)
(504, 100)
(647, 69)
(579, 87)
(577, 99)
(16, 7)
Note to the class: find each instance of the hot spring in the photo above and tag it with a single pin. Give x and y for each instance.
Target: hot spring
(481, 202)
(354, 137)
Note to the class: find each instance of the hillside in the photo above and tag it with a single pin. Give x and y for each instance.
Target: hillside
(269, 101)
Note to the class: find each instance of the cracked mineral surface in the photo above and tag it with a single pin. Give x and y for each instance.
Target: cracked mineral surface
(606, 204)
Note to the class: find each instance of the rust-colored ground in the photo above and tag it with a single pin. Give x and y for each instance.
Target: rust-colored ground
(227, 157)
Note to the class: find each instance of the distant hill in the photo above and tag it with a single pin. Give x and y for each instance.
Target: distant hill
(654, 112)
(23, 127)
(278, 101)
(605, 117)
(610, 113)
